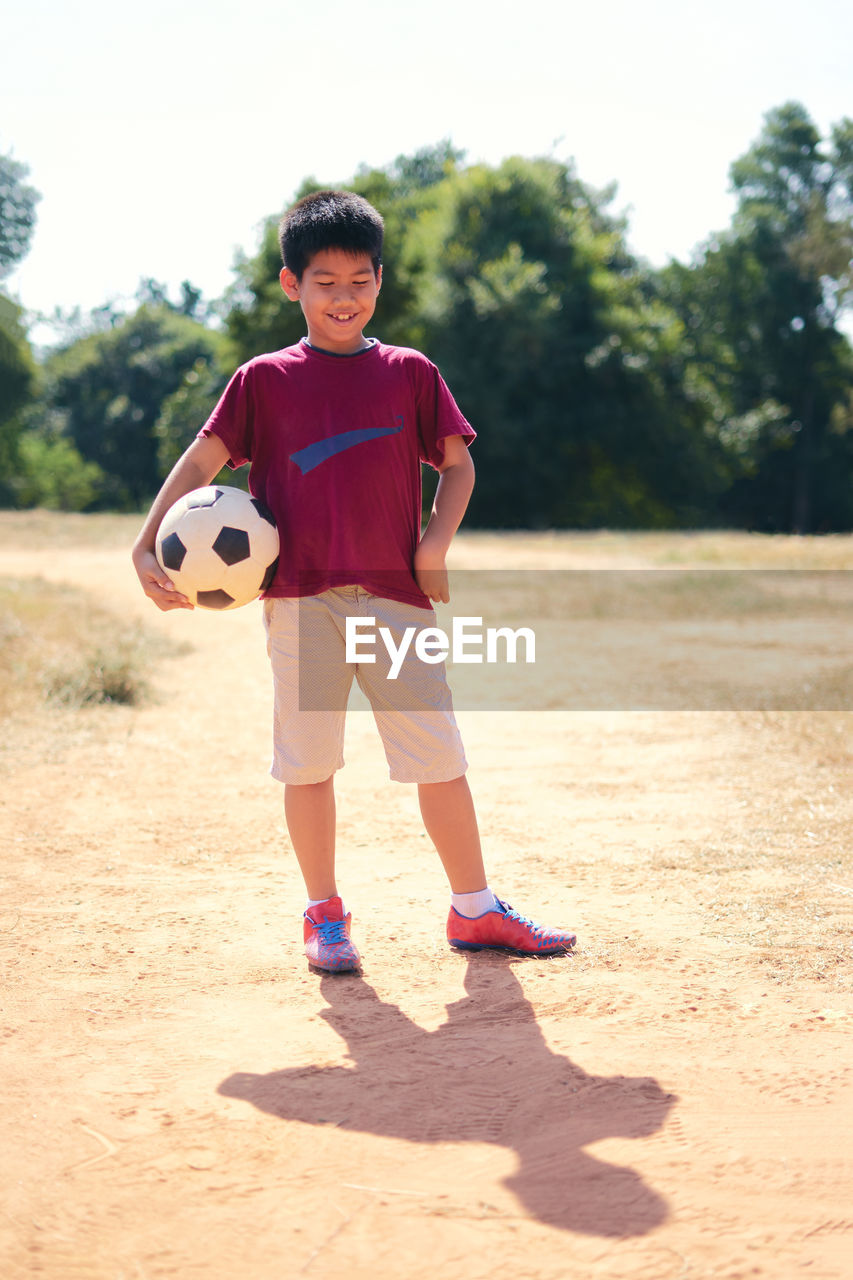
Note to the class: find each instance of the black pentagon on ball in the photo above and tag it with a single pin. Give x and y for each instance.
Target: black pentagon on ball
(232, 545)
(173, 551)
(263, 511)
(214, 599)
(269, 575)
(203, 498)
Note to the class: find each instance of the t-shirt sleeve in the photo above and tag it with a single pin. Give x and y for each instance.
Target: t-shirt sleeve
(439, 416)
(233, 419)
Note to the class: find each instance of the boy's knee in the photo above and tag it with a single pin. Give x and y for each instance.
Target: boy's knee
(302, 786)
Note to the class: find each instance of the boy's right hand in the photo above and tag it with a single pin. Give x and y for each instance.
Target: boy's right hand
(156, 584)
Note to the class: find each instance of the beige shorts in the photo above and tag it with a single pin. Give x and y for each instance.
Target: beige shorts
(306, 642)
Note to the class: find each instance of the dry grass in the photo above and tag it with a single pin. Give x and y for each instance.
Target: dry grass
(610, 549)
(58, 645)
(35, 530)
(770, 886)
(718, 549)
(784, 876)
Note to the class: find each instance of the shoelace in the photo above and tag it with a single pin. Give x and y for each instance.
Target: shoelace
(541, 934)
(332, 931)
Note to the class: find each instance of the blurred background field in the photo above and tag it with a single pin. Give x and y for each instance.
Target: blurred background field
(39, 529)
(685, 621)
(63, 644)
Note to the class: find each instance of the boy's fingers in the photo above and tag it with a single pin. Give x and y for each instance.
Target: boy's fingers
(171, 600)
(434, 584)
(165, 594)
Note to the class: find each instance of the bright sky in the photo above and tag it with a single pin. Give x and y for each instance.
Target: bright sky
(161, 134)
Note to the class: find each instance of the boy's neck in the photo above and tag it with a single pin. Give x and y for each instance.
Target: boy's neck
(341, 355)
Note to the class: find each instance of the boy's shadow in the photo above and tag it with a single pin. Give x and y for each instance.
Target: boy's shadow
(485, 1075)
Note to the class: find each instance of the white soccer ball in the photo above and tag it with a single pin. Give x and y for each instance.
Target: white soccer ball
(219, 546)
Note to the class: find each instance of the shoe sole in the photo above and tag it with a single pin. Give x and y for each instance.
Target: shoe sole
(459, 945)
(345, 966)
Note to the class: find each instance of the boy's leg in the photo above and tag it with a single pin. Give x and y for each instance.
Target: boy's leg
(307, 656)
(414, 714)
(477, 920)
(309, 810)
(447, 809)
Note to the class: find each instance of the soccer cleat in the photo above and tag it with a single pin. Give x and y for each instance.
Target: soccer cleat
(327, 941)
(503, 929)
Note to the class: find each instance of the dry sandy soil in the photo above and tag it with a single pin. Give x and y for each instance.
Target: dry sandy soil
(183, 1098)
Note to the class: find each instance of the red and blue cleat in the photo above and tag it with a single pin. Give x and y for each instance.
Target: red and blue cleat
(327, 942)
(503, 929)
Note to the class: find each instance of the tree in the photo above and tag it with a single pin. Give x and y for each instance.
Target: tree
(51, 472)
(547, 331)
(17, 383)
(517, 281)
(109, 388)
(185, 410)
(17, 368)
(761, 307)
(606, 392)
(18, 203)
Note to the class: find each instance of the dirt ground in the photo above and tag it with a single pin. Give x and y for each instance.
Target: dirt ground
(184, 1098)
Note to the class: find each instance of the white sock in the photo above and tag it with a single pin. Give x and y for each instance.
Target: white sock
(316, 902)
(474, 904)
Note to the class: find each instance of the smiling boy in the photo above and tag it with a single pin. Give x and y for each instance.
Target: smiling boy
(336, 428)
(337, 293)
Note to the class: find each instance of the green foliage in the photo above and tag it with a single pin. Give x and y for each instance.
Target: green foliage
(17, 384)
(760, 309)
(538, 316)
(18, 203)
(17, 369)
(407, 193)
(604, 392)
(187, 409)
(52, 474)
(111, 387)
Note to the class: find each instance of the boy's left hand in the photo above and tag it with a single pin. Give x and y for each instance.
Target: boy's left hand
(431, 572)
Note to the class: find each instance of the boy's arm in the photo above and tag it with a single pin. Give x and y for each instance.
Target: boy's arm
(455, 484)
(204, 459)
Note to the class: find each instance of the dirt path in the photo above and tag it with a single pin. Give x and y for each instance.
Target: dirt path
(182, 1098)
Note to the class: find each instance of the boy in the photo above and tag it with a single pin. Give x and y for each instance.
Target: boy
(335, 429)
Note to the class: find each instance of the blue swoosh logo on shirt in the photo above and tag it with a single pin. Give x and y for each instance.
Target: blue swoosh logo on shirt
(313, 454)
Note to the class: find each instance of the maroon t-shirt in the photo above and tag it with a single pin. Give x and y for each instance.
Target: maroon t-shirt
(335, 445)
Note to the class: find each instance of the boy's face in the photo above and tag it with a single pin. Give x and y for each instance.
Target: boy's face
(337, 294)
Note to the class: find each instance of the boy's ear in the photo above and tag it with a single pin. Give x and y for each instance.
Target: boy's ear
(289, 283)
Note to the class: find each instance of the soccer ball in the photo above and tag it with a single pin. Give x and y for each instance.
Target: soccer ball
(219, 546)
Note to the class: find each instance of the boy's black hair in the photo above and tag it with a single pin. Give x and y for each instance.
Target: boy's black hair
(329, 220)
